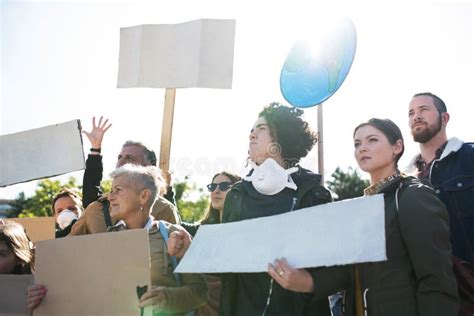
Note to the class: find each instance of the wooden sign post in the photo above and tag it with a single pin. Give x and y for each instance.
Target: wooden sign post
(167, 129)
(320, 143)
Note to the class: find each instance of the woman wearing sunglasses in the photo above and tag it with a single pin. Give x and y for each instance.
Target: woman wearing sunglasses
(219, 186)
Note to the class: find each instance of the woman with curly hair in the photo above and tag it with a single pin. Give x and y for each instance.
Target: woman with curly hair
(16, 255)
(275, 185)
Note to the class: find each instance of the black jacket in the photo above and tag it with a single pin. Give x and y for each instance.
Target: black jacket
(246, 293)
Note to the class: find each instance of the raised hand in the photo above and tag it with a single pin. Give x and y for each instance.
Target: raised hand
(97, 133)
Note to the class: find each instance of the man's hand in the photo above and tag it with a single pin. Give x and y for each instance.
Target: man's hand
(97, 133)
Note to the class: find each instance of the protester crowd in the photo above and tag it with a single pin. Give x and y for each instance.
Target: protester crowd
(429, 221)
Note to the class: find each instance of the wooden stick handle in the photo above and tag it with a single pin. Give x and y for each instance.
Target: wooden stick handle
(320, 143)
(167, 129)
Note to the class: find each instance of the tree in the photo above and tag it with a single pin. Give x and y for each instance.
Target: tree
(190, 201)
(106, 186)
(18, 205)
(40, 203)
(348, 184)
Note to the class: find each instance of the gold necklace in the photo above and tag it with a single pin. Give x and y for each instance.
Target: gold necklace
(374, 188)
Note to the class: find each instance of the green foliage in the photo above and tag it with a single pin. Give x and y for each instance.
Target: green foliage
(190, 201)
(348, 184)
(106, 186)
(40, 203)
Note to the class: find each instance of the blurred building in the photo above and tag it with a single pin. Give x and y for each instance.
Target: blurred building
(5, 207)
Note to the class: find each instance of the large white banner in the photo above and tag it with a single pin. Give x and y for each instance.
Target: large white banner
(338, 233)
(41, 152)
(193, 54)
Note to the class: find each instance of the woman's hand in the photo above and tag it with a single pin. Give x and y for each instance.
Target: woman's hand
(297, 280)
(178, 243)
(97, 133)
(35, 294)
(154, 297)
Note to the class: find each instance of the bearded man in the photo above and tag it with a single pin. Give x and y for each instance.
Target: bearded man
(447, 166)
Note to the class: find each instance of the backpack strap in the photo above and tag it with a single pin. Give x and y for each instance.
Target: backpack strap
(164, 233)
(105, 211)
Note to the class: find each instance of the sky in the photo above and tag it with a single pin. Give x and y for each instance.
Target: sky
(59, 61)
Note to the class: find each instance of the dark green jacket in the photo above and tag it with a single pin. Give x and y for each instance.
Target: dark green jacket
(417, 279)
(310, 192)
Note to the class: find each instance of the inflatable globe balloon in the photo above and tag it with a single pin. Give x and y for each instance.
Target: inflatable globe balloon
(314, 70)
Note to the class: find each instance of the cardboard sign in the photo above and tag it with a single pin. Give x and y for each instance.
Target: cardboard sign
(338, 233)
(37, 228)
(34, 154)
(13, 300)
(193, 54)
(93, 274)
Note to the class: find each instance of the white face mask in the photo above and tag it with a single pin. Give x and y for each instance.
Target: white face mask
(65, 218)
(270, 178)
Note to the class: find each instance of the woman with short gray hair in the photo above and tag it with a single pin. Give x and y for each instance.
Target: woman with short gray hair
(134, 190)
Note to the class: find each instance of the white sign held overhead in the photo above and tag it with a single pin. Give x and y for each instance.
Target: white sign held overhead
(193, 54)
(41, 152)
(345, 232)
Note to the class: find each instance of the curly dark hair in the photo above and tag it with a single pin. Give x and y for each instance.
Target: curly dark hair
(292, 134)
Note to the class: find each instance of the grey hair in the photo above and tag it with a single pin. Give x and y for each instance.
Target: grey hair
(149, 177)
(150, 156)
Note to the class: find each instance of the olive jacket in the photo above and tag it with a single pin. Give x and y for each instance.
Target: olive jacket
(417, 279)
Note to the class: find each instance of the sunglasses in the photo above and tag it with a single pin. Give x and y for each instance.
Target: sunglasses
(223, 186)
